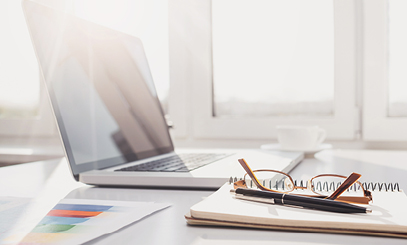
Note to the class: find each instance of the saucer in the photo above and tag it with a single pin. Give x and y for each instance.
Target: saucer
(277, 147)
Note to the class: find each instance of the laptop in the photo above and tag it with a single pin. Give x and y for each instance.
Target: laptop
(108, 114)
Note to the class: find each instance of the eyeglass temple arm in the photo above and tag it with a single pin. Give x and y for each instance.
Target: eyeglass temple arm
(345, 185)
(250, 172)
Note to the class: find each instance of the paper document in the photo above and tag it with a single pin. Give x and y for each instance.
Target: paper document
(71, 221)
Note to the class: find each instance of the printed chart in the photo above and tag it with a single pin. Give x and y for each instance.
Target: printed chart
(74, 221)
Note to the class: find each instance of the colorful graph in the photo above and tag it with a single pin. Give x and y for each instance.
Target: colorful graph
(75, 221)
(65, 221)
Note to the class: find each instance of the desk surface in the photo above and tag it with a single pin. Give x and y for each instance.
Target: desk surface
(51, 180)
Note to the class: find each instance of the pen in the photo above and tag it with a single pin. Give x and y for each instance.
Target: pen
(298, 201)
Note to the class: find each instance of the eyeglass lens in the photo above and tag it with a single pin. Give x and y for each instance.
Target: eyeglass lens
(271, 180)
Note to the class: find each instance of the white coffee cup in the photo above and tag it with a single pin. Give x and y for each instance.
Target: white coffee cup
(300, 138)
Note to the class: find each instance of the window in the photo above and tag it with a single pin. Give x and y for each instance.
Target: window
(385, 76)
(397, 59)
(249, 68)
(238, 68)
(23, 109)
(17, 56)
(273, 58)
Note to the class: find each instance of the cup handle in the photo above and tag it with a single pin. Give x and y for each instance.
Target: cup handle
(321, 136)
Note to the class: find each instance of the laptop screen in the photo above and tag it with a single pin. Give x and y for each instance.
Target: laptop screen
(101, 90)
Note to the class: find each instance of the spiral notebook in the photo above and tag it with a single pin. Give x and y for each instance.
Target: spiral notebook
(325, 185)
(389, 216)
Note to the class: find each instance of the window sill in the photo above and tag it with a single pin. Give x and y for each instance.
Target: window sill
(19, 150)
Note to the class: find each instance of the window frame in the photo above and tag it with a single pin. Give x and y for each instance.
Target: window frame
(191, 79)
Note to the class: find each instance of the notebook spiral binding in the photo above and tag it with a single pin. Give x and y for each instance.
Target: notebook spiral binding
(328, 186)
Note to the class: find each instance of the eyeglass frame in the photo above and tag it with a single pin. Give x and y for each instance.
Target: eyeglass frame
(336, 195)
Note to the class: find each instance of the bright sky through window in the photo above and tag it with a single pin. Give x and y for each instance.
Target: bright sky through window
(397, 59)
(273, 57)
(19, 74)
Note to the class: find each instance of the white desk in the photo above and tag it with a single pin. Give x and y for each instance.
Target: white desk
(51, 180)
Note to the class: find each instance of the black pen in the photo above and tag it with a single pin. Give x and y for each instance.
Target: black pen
(298, 201)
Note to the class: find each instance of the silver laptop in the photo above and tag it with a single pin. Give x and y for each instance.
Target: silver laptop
(109, 117)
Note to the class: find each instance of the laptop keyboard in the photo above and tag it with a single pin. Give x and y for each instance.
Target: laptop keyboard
(178, 163)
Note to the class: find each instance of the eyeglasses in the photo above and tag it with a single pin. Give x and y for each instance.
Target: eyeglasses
(329, 186)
